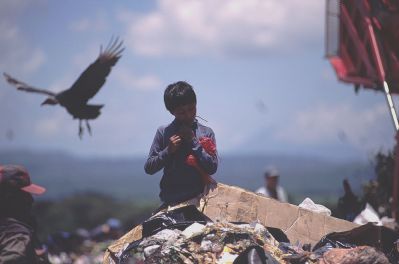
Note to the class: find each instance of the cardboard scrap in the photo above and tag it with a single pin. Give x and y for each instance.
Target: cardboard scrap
(230, 203)
(234, 204)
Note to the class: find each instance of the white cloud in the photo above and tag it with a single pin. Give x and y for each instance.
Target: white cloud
(35, 61)
(54, 125)
(130, 80)
(226, 139)
(83, 59)
(12, 7)
(96, 24)
(328, 74)
(80, 25)
(47, 127)
(192, 27)
(62, 83)
(16, 52)
(362, 128)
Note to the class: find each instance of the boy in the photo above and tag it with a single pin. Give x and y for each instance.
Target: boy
(176, 143)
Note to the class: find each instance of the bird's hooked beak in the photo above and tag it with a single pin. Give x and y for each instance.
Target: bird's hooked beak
(50, 101)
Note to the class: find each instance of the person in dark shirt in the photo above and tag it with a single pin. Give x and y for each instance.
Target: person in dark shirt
(18, 240)
(348, 205)
(177, 143)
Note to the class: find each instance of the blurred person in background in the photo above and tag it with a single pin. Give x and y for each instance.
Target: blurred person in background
(271, 187)
(18, 240)
(348, 205)
(110, 230)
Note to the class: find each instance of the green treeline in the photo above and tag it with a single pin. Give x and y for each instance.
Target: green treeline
(87, 210)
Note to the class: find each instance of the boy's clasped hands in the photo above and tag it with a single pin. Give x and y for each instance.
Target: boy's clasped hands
(185, 134)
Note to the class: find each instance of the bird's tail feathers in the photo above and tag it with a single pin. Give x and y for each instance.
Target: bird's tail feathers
(91, 112)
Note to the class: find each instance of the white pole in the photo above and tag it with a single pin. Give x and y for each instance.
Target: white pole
(391, 106)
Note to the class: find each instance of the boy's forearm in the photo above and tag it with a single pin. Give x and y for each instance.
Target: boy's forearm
(156, 162)
(158, 155)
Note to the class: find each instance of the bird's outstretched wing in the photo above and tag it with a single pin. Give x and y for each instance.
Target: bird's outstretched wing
(25, 87)
(93, 78)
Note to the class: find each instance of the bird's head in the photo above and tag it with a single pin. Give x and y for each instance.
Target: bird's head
(50, 101)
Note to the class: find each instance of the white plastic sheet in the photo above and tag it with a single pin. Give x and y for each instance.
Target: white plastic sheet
(318, 208)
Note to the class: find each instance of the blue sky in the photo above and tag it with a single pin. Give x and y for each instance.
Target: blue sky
(257, 66)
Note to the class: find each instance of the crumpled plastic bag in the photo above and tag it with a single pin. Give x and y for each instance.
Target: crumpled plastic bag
(179, 218)
(368, 215)
(193, 230)
(318, 208)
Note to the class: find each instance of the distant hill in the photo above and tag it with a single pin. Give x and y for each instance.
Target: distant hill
(64, 174)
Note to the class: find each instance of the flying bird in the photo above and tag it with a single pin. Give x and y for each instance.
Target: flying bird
(75, 99)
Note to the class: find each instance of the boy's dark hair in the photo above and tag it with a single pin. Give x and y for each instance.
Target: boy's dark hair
(178, 94)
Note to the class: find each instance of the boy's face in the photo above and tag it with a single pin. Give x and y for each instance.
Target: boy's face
(186, 113)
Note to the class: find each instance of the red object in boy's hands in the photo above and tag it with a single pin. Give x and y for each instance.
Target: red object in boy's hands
(191, 160)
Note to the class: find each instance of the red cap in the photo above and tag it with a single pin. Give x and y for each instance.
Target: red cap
(18, 177)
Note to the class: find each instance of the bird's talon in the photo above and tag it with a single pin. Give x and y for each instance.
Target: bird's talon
(80, 129)
(88, 127)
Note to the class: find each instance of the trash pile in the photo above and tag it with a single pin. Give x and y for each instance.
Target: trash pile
(210, 243)
(88, 252)
(185, 235)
